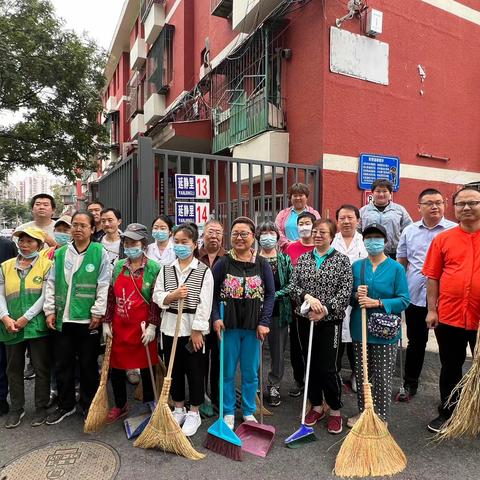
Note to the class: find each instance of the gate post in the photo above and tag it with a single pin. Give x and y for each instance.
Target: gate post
(146, 182)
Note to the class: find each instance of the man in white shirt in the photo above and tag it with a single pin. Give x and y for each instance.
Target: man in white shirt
(349, 242)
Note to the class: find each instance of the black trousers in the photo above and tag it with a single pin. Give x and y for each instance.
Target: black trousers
(452, 347)
(417, 334)
(119, 387)
(40, 358)
(3, 373)
(76, 341)
(296, 356)
(191, 365)
(324, 380)
(212, 365)
(348, 346)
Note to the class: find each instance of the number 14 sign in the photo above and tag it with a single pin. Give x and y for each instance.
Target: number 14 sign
(192, 186)
(196, 212)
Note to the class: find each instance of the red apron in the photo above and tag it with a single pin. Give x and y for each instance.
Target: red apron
(131, 309)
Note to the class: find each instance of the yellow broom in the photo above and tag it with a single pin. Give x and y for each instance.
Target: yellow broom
(465, 420)
(98, 411)
(369, 449)
(163, 431)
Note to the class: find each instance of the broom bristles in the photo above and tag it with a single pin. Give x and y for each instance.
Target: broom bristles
(258, 410)
(369, 450)
(223, 447)
(164, 433)
(465, 420)
(98, 411)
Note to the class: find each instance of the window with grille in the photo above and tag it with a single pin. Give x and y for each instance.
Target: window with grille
(160, 62)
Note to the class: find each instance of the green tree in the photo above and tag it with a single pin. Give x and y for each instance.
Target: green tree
(50, 78)
(14, 213)
(57, 195)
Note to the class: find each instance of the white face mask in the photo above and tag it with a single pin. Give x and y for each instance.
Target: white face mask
(305, 231)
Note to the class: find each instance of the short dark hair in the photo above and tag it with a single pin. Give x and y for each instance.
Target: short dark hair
(466, 187)
(267, 227)
(87, 214)
(190, 229)
(331, 225)
(347, 206)
(163, 218)
(116, 212)
(43, 195)
(428, 191)
(95, 202)
(384, 183)
(309, 215)
(246, 221)
(300, 188)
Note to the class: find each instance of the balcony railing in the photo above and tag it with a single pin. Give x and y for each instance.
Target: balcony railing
(221, 8)
(145, 7)
(247, 118)
(135, 92)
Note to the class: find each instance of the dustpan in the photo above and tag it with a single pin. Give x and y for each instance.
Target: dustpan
(257, 438)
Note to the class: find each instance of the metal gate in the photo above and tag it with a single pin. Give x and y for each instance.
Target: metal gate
(142, 185)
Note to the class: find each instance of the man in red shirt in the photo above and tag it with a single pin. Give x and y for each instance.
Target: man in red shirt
(452, 267)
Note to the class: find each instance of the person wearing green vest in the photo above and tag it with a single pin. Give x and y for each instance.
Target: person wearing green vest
(75, 303)
(132, 318)
(22, 293)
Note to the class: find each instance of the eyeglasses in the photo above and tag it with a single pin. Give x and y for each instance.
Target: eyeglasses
(320, 233)
(242, 235)
(431, 204)
(471, 204)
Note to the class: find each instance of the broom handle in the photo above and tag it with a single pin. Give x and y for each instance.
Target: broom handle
(261, 382)
(367, 390)
(175, 339)
(106, 361)
(307, 373)
(149, 359)
(220, 386)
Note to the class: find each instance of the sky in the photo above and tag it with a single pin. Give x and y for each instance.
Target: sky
(97, 18)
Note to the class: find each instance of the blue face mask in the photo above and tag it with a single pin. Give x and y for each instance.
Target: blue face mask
(374, 246)
(133, 252)
(160, 235)
(182, 251)
(62, 238)
(268, 241)
(30, 255)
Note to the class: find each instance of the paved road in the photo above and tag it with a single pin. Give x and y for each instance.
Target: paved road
(425, 461)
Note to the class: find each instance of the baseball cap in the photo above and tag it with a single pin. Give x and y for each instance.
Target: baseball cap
(34, 232)
(67, 219)
(375, 228)
(135, 231)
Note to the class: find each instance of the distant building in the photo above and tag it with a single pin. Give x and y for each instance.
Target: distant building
(8, 191)
(35, 184)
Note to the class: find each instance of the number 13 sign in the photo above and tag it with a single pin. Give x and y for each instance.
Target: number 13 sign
(202, 187)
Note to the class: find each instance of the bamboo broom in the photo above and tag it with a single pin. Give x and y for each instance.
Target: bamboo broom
(369, 449)
(465, 420)
(163, 431)
(98, 411)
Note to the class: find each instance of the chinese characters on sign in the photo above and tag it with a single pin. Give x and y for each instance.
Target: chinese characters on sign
(192, 186)
(196, 212)
(373, 167)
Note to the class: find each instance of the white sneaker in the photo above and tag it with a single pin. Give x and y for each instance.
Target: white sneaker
(191, 423)
(230, 421)
(249, 418)
(179, 415)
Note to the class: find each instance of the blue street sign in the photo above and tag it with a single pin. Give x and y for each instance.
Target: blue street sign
(184, 186)
(373, 167)
(184, 212)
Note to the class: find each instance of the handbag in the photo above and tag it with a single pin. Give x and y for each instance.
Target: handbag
(381, 324)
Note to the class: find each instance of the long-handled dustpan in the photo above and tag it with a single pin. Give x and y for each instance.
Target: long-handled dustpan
(257, 438)
(304, 434)
(402, 395)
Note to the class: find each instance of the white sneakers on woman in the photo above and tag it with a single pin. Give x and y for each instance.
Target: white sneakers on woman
(191, 423)
(230, 421)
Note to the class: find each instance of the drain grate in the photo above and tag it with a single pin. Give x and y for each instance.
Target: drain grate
(65, 461)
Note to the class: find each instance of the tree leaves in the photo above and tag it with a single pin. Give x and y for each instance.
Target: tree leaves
(52, 77)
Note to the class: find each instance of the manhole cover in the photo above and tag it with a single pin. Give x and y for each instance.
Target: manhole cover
(65, 461)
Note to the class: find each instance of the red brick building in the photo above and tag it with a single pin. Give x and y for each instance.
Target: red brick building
(277, 80)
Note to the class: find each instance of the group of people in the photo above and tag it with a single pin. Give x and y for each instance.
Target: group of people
(81, 278)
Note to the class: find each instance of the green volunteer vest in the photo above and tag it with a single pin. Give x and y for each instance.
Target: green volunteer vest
(21, 294)
(83, 290)
(150, 274)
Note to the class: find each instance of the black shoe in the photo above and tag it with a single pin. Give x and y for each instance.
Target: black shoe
(58, 415)
(273, 396)
(39, 418)
(4, 407)
(436, 425)
(14, 419)
(29, 372)
(411, 390)
(53, 400)
(296, 391)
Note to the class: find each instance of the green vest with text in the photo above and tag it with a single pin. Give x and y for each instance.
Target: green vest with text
(83, 290)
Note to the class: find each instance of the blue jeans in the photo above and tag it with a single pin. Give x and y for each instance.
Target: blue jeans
(3, 373)
(240, 345)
